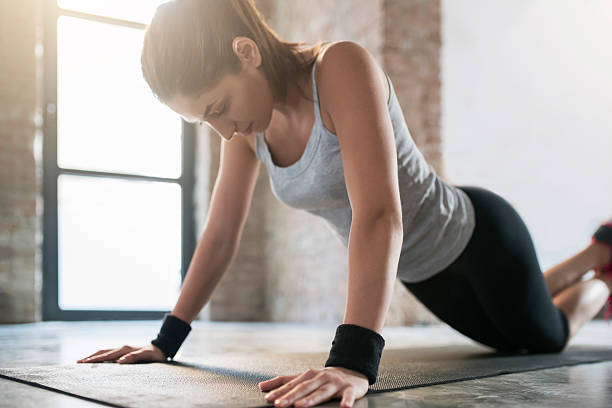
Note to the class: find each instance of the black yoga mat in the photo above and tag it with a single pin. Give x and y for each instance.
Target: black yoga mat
(231, 379)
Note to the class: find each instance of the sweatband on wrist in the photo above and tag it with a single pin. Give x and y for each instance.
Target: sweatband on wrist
(357, 348)
(171, 335)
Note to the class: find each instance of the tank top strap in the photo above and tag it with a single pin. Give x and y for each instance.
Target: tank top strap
(315, 96)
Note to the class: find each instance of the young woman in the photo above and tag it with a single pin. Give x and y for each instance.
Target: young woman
(346, 155)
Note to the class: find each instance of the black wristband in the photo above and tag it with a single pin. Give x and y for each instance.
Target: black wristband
(171, 335)
(357, 348)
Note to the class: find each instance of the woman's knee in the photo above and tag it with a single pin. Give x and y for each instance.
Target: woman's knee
(554, 338)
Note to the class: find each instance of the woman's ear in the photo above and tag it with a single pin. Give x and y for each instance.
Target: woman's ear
(247, 51)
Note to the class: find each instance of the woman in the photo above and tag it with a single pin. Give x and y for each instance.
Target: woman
(346, 155)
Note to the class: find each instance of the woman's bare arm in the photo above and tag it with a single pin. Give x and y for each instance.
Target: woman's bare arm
(218, 245)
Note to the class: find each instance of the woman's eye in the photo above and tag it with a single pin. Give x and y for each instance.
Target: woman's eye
(216, 115)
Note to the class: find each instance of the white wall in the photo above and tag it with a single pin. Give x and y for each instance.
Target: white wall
(527, 111)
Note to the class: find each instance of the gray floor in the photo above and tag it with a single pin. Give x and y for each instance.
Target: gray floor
(51, 343)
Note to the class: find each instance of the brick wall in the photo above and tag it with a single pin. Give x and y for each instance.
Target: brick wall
(20, 162)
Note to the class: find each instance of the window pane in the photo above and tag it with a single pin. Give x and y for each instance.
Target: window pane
(108, 118)
(119, 244)
(134, 10)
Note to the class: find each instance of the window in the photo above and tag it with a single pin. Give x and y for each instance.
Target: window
(118, 170)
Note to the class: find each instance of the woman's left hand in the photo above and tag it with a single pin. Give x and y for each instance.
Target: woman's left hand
(316, 386)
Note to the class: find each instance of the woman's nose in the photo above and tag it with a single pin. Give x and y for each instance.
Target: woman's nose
(225, 128)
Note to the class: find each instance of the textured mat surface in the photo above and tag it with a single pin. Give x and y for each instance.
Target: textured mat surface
(231, 379)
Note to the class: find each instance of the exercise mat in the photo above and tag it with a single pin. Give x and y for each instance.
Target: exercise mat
(230, 379)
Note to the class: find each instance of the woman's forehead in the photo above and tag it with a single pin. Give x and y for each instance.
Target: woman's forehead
(193, 107)
(217, 91)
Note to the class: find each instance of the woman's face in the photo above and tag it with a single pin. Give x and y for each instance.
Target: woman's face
(239, 104)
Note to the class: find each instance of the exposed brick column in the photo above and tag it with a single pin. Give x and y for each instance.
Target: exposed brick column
(20, 161)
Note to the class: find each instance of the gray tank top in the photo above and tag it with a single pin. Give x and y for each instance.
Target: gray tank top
(438, 218)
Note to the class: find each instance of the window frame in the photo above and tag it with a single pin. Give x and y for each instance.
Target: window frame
(51, 173)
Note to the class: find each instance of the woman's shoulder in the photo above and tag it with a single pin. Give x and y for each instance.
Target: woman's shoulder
(335, 59)
(338, 50)
(342, 49)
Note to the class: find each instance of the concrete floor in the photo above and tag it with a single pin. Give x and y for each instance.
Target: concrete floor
(54, 343)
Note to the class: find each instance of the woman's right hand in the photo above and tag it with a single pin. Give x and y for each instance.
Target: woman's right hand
(127, 355)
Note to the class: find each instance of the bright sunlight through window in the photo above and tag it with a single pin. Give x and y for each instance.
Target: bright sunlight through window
(119, 239)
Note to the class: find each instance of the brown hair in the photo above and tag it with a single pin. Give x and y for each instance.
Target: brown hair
(187, 48)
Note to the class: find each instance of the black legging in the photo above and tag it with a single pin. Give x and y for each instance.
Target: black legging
(495, 292)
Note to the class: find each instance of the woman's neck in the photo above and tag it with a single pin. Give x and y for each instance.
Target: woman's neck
(293, 110)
